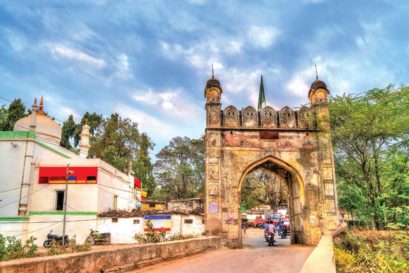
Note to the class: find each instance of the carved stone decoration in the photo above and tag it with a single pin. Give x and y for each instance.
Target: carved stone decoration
(287, 117)
(213, 172)
(231, 116)
(305, 118)
(268, 117)
(213, 117)
(213, 188)
(250, 117)
(213, 95)
(212, 140)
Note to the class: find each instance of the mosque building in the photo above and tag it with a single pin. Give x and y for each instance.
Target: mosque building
(34, 170)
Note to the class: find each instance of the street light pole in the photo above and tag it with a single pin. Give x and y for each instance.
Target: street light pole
(65, 204)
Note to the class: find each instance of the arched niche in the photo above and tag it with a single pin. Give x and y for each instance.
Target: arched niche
(305, 118)
(250, 117)
(287, 118)
(231, 116)
(268, 117)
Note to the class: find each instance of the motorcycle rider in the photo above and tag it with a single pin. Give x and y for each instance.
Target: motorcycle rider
(272, 231)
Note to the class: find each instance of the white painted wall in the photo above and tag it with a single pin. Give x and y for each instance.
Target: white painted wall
(11, 172)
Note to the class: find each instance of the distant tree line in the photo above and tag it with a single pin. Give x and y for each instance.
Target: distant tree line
(370, 133)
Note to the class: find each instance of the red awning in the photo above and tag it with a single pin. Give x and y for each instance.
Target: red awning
(137, 183)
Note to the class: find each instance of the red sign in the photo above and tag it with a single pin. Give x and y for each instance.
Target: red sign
(137, 183)
(76, 175)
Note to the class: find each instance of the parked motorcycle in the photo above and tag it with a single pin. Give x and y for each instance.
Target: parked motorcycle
(95, 237)
(55, 238)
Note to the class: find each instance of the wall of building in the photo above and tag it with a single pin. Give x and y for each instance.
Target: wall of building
(123, 230)
(116, 259)
(11, 171)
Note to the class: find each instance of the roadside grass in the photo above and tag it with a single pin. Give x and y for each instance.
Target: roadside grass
(372, 251)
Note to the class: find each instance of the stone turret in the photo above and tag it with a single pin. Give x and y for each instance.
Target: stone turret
(84, 142)
(213, 92)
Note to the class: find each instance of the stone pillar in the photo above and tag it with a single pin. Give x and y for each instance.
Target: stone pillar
(84, 142)
(213, 149)
(327, 184)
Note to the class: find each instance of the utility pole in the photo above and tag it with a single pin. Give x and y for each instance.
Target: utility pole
(67, 173)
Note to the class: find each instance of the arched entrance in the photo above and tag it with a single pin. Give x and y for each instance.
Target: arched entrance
(293, 181)
(295, 144)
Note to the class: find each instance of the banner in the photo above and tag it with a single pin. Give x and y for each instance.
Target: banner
(160, 222)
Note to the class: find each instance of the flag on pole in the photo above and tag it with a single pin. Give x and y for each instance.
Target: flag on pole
(261, 95)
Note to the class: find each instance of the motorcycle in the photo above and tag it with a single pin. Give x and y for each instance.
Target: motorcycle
(96, 237)
(269, 238)
(55, 238)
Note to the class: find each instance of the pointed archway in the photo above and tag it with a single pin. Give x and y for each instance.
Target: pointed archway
(295, 184)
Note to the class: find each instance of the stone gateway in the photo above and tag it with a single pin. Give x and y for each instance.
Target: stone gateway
(294, 144)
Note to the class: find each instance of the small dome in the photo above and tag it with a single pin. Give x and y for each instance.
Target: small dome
(317, 84)
(46, 128)
(213, 82)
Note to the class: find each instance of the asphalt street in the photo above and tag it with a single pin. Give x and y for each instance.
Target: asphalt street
(255, 256)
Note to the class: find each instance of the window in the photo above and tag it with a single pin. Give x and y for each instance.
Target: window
(135, 222)
(115, 202)
(60, 200)
(188, 221)
(114, 220)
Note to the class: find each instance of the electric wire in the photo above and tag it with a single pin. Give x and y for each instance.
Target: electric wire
(5, 99)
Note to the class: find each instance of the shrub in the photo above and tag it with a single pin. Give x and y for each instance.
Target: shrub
(372, 251)
(152, 236)
(72, 247)
(12, 248)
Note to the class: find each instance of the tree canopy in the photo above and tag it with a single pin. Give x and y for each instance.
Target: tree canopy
(179, 169)
(370, 135)
(8, 116)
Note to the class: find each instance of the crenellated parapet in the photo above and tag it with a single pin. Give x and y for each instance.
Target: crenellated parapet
(267, 118)
(287, 119)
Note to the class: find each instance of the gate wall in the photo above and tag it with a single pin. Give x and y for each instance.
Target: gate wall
(297, 141)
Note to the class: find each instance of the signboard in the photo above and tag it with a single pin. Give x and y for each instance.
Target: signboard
(213, 207)
(160, 222)
(77, 175)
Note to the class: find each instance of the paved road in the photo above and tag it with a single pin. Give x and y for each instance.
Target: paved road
(254, 257)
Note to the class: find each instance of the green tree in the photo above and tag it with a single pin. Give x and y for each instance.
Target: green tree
(93, 120)
(262, 187)
(3, 117)
(364, 129)
(116, 141)
(142, 165)
(15, 111)
(179, 169)
(68, 130)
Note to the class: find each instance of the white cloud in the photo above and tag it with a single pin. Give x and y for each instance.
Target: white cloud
(147, 123)
(77, 55)
(171, 103)
(300, 82)
(123, 71)
(262, 37)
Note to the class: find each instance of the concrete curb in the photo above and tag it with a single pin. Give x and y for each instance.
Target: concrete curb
(321, 259)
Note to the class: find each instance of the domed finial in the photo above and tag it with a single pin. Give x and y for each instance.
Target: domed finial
(212, 72)
(41, 108)
(34, 106)
(316, 72)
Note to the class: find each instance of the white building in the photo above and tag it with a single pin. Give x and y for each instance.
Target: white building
(33, 173)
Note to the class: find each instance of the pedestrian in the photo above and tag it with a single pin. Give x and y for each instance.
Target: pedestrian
(280, 226)
(244, 226)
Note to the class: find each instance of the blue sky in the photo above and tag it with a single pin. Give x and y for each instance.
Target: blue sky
(150, 60)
